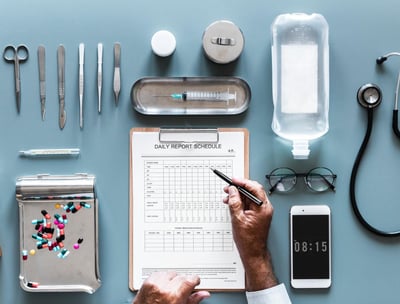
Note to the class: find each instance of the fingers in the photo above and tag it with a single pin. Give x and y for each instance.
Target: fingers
(252, 186)
(197, 297)
(184, 285)
(238, 202)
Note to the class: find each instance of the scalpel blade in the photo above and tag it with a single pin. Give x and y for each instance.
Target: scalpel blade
(117, 71)
(61, 85)
(42, 79)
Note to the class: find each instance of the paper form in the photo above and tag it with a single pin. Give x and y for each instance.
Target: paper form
(179, 220)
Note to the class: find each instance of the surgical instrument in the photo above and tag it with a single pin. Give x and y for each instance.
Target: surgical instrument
(99, 73)
(117, 71)
(202, 96)
(61, 85)
(50, 152)
(81, 82)
(42, 79)
(16, 55)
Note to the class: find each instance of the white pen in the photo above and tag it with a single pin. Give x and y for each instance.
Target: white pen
(99, 72)
(81, 82)
(50, 152)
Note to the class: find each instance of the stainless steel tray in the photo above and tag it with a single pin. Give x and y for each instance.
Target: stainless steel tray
(58, 233)
(190, 95)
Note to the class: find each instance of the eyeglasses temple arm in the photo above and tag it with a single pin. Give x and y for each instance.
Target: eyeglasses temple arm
(331, 185)
(272, 189)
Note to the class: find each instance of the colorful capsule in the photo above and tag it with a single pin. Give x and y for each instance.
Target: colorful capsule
(24, 255)
(33, 284)
(59, 218)
(45, 214)
(85, 205)
(36, 237)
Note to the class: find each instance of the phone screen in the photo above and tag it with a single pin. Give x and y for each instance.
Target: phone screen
(311, 246)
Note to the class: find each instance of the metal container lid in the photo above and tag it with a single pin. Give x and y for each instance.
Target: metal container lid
(223, 41)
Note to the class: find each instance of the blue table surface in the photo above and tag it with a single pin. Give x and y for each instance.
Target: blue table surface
(365, 267)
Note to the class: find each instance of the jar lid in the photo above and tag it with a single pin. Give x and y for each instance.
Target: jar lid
(223, 41)
(163, 43)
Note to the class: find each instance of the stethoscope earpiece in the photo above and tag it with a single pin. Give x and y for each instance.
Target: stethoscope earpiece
(369, 95)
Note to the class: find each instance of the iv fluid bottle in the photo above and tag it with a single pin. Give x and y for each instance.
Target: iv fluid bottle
(300, 79)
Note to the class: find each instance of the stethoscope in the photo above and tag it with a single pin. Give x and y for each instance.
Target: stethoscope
(369, 96)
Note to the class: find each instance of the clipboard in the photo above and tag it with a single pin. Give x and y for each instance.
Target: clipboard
(176, 211)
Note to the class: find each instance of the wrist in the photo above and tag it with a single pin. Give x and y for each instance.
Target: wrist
(259, 273)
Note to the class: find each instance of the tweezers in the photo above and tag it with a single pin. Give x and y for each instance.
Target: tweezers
(61, 85)
(81, 82)
(99, 73)
(117, 71)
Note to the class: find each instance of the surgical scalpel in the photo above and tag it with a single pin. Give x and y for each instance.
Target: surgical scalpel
(61, 85)
(42, 79)
(81, 82)
(117, 71)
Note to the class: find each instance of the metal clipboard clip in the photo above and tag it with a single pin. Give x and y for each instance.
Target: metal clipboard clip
(192, 135)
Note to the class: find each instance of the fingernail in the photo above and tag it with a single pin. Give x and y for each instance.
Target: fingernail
(232, 190)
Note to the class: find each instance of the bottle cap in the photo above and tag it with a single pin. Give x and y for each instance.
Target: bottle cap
(223, 41)
(163, 43)
(300, 149)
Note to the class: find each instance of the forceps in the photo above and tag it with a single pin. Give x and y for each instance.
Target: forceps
(13, 54)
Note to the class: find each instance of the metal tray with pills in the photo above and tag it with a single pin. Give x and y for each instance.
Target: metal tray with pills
(190, 95)
(58, 233)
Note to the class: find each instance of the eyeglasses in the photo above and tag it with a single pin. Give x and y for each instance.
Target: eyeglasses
(284, 179)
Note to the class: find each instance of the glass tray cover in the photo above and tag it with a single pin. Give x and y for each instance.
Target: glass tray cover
(190, 95)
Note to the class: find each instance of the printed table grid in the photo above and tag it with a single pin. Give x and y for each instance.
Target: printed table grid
(181, 191)
(188, 240)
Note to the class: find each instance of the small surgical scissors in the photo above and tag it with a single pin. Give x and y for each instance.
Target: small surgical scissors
(16, 55)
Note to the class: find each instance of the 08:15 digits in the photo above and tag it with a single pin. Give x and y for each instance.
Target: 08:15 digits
(306, 246)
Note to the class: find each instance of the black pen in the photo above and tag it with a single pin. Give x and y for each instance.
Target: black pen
(242, 190)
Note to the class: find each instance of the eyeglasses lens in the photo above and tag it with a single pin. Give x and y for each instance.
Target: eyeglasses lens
(282, 179)
(320, 179)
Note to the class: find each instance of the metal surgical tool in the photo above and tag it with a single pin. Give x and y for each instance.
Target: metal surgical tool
(16, 55)
(42, 79)
(117, 71)
(61, 85)
(99, 73)
(81, 82)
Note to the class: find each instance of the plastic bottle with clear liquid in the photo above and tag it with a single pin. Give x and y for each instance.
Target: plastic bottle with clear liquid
(300, 79)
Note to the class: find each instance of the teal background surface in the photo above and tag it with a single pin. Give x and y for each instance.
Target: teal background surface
(365, 267)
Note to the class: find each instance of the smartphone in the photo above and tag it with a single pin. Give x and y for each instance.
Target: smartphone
(310, 246)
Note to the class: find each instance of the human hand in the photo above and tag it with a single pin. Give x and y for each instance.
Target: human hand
(170, 288)
(250, 227)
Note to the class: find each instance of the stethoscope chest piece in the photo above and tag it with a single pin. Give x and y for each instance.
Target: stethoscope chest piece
(369, 95)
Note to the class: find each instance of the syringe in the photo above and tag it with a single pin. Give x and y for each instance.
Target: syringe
(202, 96)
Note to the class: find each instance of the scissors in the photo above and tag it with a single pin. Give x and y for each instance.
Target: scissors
(16, 55)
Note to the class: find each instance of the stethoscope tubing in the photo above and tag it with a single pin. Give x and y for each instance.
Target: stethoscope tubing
(353, 178)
